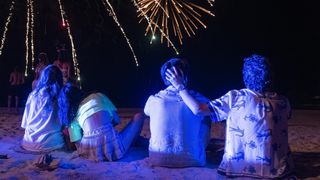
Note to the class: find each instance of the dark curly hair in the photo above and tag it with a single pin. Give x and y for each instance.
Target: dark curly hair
(51, 80)
(257, 73)
(69, 99)
(179, 63)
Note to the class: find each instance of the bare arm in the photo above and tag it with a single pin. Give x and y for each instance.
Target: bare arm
(195, 106)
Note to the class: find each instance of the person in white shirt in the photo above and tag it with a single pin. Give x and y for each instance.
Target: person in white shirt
(257, 122)
(40, 119)
(178, 137)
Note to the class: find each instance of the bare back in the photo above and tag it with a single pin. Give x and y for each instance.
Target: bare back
(16, 78)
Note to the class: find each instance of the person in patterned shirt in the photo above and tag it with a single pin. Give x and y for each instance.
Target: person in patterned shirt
(257, 122)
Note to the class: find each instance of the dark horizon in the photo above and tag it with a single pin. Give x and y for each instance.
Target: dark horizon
(286, 32)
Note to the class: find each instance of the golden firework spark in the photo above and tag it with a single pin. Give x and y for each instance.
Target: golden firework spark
(150, 23)
(177, 17)
(112, 13)
(6, 26)
(210, 2)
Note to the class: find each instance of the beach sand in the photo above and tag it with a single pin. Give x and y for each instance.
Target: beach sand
(304, 139)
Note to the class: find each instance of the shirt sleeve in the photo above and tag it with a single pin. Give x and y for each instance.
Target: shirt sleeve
(221, 107)
(75, 131)
(147, 106)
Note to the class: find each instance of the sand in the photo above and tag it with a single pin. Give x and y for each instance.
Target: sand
(304, 139)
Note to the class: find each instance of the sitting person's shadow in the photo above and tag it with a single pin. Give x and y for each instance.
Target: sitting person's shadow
(214, 152)
(307, 164)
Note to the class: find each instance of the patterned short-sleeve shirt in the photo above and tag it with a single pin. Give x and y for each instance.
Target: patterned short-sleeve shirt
(256, 133)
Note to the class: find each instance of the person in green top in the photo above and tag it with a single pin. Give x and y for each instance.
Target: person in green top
(91, 119)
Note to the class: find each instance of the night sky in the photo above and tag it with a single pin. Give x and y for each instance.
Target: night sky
(288, 32)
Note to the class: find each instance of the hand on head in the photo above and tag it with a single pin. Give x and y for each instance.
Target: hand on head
(176, 77)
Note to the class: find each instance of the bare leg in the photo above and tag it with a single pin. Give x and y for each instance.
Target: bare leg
(17, 103)
(9, 102)
(132, 131)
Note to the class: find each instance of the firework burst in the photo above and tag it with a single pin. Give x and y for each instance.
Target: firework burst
(171, 17)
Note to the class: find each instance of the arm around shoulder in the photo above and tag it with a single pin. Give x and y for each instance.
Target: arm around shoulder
(197, 108)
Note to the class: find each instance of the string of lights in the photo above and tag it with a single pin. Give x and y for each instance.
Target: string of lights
(27, 38)
(65, 23)
(111, 12)
(62, 13)
(32, 33)
(6, 26)
(74, 53)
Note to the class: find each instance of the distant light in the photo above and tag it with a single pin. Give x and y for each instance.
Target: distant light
(64, 23)
(79, 78)
(177, 53)
(153, 37)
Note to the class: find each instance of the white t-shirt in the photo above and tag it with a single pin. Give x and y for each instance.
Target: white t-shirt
(41, 123)
(176, 133)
